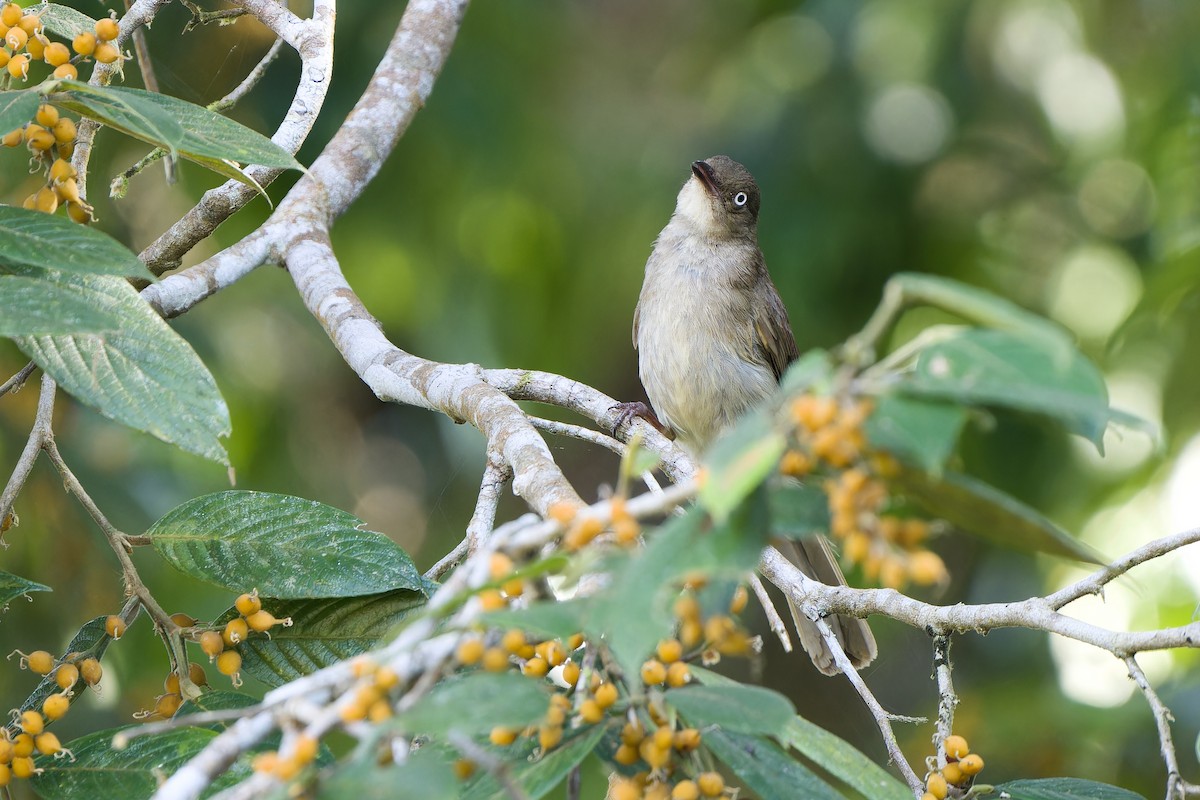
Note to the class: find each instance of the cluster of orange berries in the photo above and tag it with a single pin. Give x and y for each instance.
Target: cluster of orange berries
(27, 733)
(830, 442)
(582, 529)
(645, 786)
(219, 645)
(718, 634)
(25, 41)
(959, 773)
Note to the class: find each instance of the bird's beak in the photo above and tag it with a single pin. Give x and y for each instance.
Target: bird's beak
(704, 172)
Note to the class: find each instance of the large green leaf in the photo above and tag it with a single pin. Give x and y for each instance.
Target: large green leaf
(995, 368)
(1063, 789)
(14, 586)
(49, 241)
(922, 432)
(798, 510)
(537, 778)
(765, 768)
(64, 21)
(836, 756)
(203, 135)
(475, 703)
(131, 773)
(40, 306)
(734, 707)
(17, 108)
(739, 462)
(323, 632)
(977, 508)
(144, 376)
(284, 546)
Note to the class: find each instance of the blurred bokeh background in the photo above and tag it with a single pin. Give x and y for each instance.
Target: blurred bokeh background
(1046, 150)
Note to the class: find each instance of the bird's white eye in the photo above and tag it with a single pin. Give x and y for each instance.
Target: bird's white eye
(739, 199)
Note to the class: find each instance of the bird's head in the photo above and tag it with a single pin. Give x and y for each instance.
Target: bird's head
(720, 199)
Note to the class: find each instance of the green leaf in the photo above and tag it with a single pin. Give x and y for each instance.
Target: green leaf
(476, 703)
(90, 640)
(994, 368)
(836, 756)
(286, 547)
(34, 307)
(547, 619)
(740, 461)
(132, 773)
(65, 22)
(765, 768)
(922, 432)
(984, 511)
(46, 241)
(424, 775)
(144, 376)
(204, 135)
(798, 510)
(539, 777)
(126, 110)
(17, 108)
(1064, 789)
(810, 371)
(323, 632)
(14, 586)
(734, 707)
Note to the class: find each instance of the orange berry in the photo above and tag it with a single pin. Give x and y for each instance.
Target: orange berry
(652, 755)
(84, 44)
(740, 598)
(229, 662)
(501, 736)
(114, 626)
(653, 672)
(18, 66)
(16, 38)
(47, 744)
(30, 23)
(669, 650)
(570, 673)
(469, 651)
(513, 640)
(56, 54)
(66, 676)
(236, 630)
(710, 784)
(464, 768)
(625, 788)
(491, 600)
(953, 774)
(494, 660)
(179, 618)
(678, 674)
(549, 736)
(971, 764)
(22, 767)
(247, 603)
(36, 46)
(536, 667)
(32, 722)
(91, 671)
(55, 707)
(107, 29)
(795, 463)
(590, 711)
(606, 695)
(106, 53)
(39, 661)
(11, 14)
(893, 571)
(686, 740)
(685, 790)
(500, 566)
(66, 72)
(22, 745)
(927, 568)
(935, 785)
(562, 512)
(956, 747)
(632, 733)
(263, 621)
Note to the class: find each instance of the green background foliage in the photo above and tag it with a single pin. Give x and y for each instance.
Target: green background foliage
(1042, 149)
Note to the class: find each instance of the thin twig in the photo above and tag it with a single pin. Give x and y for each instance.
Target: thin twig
(773, 619)
(496, 475)
(1177, 787)
(947, 698)
(250, 81)
(15, 383)
(882, 717)
(39, 433)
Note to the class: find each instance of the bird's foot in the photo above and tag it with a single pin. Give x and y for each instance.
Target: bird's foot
(627, 411)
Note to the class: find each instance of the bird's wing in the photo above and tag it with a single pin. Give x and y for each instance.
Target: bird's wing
(773, 337)
(637, 314)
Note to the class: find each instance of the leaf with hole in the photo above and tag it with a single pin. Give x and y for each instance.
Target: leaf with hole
(45, 241)
(324, 631)
(284, 546)
(145, 376)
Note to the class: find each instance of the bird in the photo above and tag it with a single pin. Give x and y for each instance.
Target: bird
(713, 339)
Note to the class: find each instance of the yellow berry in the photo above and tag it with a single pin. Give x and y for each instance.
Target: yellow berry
(971, 764)
(956, 747)
(686, 740)
(56, 54)
(710, 784)
(652, 754)
(16, 38)
(927, 568)
(84, 44)
(30, 23)
(685, 790)
(625, 789)
(935, 785)
(55, 707)
(22, 745)
(927, 796)
(464, 768)
(536, 667)
(114, 626)
(494, 660)
(79, 213)
(236, 630)
(179, 618)
(229, 662)
(36, 46)
(653, 672)
(32, 722)
(66, 72)
(304, 750)
(13, 137)
(469, 651)
(500, 566)
(513, 641)
(632, 733)
(212, 643)
(91, 671)
(501, 736)
(39, 661)
(22, 767)
(38, 139)
(18, 66)
(678, 674)
(590, 711)
(47, 744)
(606, 695)
(953, 774)
(248, 603)
(491, 600)
(669, 650)
(66, 676)
(570, 673)
(11, 14)
(549, 736)
(171, 683)
(106, 53)
(5, 773)
(107, 29)
(263, 621)
(795, 464)
(196, 674)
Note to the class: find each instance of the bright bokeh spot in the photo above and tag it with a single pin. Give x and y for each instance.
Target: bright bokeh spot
(908, 123)
(1082, 100)
(1094, 289)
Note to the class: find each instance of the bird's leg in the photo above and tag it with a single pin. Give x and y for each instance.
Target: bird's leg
(627, 411)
